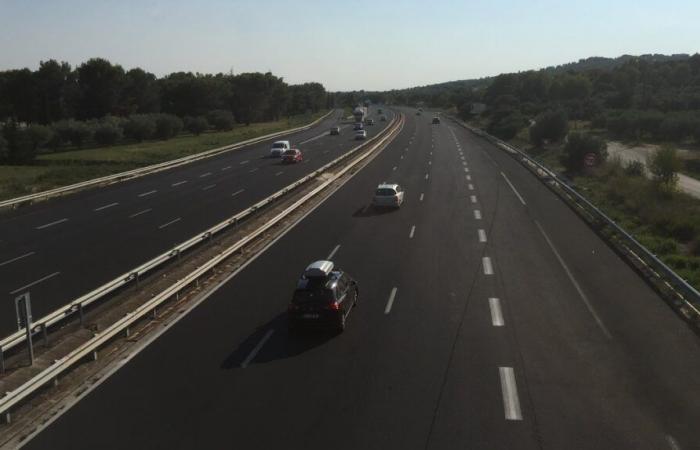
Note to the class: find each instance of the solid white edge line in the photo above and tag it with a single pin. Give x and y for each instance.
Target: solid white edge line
(390, 302)
(169, 223)
(105, 206)
(34, 282)
(477, 214)
(333, 252)
(496, 312)
(17, 258)
(482, 235)
(672, 442)
(257, 349)
(279, 173)
(50, 224)
(413, 230)
(140, 212)
(511, 402)
(581, 294)
(513, 188)
(488, 267)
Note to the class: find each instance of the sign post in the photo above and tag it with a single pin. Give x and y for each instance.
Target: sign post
(23, 308)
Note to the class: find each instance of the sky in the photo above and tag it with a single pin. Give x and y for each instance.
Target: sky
(350, 45)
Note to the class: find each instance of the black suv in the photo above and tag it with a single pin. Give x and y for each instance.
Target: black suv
(323, 298)
(436, 121)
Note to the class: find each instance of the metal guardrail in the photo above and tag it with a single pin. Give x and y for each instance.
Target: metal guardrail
(48, 375)
(685, 293)
(122, 176)
(133, 275)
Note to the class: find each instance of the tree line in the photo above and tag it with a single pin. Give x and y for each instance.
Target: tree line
(101, 103)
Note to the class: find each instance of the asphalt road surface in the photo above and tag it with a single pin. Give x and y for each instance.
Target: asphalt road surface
(63, 248)
(490, 317)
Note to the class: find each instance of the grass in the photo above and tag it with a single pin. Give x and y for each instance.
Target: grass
(61, 169)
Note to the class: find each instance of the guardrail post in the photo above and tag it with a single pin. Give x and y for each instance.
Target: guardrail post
(82, 314)
(155, 313)
(7, 418)
(2, 360)
(94, 357)
(135, 276)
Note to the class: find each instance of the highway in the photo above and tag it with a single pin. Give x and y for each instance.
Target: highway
(490, 317)
(65, 247)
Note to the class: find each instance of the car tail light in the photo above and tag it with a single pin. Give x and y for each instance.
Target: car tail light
(335, 306)
(293, 307)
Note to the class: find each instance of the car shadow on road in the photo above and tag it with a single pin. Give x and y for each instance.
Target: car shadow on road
(369, 211)
(280, 344)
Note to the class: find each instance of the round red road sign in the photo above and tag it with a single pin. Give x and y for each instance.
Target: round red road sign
(590, 159)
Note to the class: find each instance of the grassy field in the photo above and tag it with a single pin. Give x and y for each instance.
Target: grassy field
(60, 169)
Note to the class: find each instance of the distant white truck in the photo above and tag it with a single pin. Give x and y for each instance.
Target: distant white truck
(278, 148)
(360, 113)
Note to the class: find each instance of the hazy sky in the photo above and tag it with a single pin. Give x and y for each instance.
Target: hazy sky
(378, 44)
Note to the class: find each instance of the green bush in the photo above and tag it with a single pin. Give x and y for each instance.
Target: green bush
(196, 125)
(634, 169)
(107, 132)
(4, 150)
(167, 126)
(550, 125)
(221, 119)
(664, 164)
(22, 142)
(506, 124)
(73, 131)
(140, 127)
(577, 146)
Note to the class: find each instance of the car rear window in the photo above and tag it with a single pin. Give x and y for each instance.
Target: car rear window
(278, 145)
(313, 294)
(385, 191)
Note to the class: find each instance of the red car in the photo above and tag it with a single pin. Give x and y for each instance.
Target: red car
(292, 156)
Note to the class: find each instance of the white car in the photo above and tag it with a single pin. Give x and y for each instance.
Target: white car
(388, 195)
(360, 134)
(278, 148)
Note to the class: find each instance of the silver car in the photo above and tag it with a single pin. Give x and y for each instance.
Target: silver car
(388, 195)
(360, 134)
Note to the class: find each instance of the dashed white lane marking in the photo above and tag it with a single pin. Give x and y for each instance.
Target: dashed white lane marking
(226, 168)
(430, 163)
(574, 282)
(513, 188)
(17, 258)
(672, 442)
(496, 312)
(169, 223)
(20, 289)
(394, 168)
(145, 194)
(464, 163)
(244, 162)
(206, 188)
(477, 214)
(488, 268)
(279, 173)
(390, 302)
(427, 176)
(256, 350)
(421, 196)
(511, 402)
(178, 183)
(106, 206)
(325, 151)
(466, 169)
(401, 157)
(50, 224)
(253, 170)
(482, 235)
(140, 212)
(237, 192)
(333, 252)
(471, 187)
(469, 178)
(204, 175)
(472, 198)
(413, 230)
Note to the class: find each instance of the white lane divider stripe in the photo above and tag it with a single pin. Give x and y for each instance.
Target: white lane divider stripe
(471, 187)
(106, 206)
(394, 168)
(427, 175)
(511, 402)
(256, 350)
(482, 235)
(279, 173)
(488, 268)
(178, 183)
(513, 188)
(206, 188)
(244, 162)
(226, 168)
(472, 198)
(496, 312)
(16, 258)
(421, 196)
(390, 302)
(205, 175)
(333, 252)
(237, 192)
(253, 170)
(582, 294)
(469, 178)
(20, 289)
(413, 230)
(169, 223)
(50, 224)
(140, 212)
(144, 194)
(477, 214)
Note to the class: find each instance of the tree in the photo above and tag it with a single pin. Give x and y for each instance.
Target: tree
(221, 119)
(664, 164)
(578, 145)
(506, 125)
(4, 150)
(21, 148)
(52, 85)
(108, 131)
(140, 127)
(74, 131)
(100, 85)
(140, 93)
(196, 125)
(550, 125)
(167, 126)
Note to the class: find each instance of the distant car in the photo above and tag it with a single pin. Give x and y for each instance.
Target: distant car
(278, 148)
(388, 195)
(335, 131)
(292, 155)
(360, 134)
(436, 121)
(379, 111)
(418, 113)
(383, 118)
(369, 121)
(323, 298)
(358, 126)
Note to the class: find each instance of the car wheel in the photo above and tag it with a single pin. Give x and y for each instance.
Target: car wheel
(341, 323)
(354, 303)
